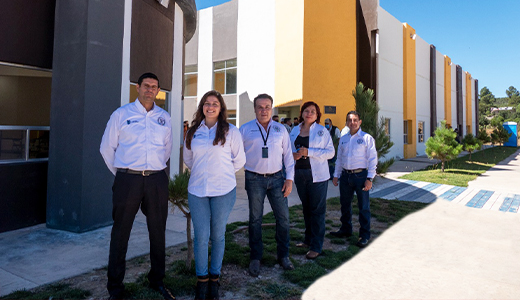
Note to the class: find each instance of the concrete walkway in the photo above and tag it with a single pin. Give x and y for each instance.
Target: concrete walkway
(37, 255)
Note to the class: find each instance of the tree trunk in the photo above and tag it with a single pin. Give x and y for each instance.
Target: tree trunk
(442, 166)
(189, 256)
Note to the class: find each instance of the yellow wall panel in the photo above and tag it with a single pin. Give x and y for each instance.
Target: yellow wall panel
(329, 56)
(469, 119)
(409, 89)
(447, 90)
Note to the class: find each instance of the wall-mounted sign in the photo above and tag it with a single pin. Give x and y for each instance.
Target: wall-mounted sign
(330, 109)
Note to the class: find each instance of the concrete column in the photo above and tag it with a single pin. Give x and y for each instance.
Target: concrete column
(86, 89)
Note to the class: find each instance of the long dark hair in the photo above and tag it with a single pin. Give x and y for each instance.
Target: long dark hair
(307, 104)
(222, 125)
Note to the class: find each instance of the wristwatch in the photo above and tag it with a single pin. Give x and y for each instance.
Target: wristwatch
(370, 179)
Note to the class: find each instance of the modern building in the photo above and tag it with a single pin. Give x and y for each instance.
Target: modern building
(306, 50)
(65, 66)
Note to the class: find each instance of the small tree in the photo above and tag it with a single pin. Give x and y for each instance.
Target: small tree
(470, 143)
(482, 136)
(442, 145)
(500, 135)
(178, 196)
(368, 111)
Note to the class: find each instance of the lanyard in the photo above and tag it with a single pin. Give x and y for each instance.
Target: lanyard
(264, 139)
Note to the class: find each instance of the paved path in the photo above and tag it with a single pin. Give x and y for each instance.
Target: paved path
(37, 255)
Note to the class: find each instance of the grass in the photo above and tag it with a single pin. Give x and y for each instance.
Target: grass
(182, 280)
(461, 170)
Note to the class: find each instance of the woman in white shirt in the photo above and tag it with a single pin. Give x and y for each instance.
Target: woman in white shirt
(312, 147)
(214, 152)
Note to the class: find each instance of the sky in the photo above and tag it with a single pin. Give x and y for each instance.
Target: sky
(482, 36)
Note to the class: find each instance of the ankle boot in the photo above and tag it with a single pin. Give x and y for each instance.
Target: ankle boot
(214, 285)
(202, 287)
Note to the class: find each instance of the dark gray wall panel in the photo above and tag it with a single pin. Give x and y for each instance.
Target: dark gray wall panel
(86, 89)
(225, 20)
(433, 89)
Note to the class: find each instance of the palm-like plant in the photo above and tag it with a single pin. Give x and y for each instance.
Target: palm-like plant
(178, 196)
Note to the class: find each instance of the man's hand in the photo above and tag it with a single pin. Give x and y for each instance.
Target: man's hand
(368, 185)
(335, 181)
(287, 187)
(303, 151)
(296, 155)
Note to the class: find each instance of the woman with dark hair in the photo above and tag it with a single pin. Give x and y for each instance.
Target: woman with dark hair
(213, 151)
(312, 148)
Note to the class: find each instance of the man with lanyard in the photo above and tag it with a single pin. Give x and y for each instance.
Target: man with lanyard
(267, 147)
(356, 163)
(136, 145)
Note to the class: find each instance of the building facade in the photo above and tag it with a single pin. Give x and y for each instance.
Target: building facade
(65, 66)
(318, 51)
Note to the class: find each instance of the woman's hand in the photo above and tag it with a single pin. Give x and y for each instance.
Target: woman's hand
(303, 151)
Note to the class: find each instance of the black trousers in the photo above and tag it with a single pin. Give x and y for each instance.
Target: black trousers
(130, 192)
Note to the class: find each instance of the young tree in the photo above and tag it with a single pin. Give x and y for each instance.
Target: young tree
(482, 136)
(470, 143)
(500, 135)
(442, 145)
(487, 100)
(513, 95)
(497, 121)
(178, 196)
(368, 111)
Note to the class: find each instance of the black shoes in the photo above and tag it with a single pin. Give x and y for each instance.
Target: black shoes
(362, 242)
(202, 287)
(213, 287)
(340, 234)
(165, 292)
(286, 263)
(254, 268)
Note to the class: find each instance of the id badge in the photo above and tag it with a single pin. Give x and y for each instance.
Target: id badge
(265, 152)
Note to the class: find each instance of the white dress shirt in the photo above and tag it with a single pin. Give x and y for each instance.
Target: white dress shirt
(357, 151)
(278, 144)
(137, 139)
(320, 150)
(213, 167)
(345, 130)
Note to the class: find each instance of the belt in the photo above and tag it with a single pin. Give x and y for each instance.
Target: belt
(353, 171)
(135, 172)
(264, 175)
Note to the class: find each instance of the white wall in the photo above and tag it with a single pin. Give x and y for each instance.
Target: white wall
(255, 49)
(422, 91)
(176, 92)
(205, 53)
(390, 78)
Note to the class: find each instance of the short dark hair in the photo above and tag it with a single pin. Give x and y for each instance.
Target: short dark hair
(307, 104)
(262, 96)
(352, 112)
(147, 75)
(296, 118)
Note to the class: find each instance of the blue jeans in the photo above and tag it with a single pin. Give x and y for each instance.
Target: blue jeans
(257, 187)
(209, 216)
(348, 184)
(314, 202)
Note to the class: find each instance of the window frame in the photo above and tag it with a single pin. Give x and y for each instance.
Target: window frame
(420, 136)
(225, 69)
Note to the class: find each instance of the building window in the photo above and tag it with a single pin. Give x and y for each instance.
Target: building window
(232, 117)
(420, 132)
(190, 81)
(405, 131)
(387, 127)
(225, 76)
(24, 143)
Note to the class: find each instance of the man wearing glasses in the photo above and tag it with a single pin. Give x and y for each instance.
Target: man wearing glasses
(267, 147)
(136, 145)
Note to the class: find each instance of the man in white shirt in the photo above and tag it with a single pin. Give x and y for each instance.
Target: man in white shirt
(136, 145)
(356, 164)
(267, 147)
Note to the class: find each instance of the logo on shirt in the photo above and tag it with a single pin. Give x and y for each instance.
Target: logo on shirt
(320, 133)
(161, 121)
(131, 121)
(360, 141)
(276, 129)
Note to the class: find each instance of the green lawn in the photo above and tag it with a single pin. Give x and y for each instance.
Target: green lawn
(461, 170)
